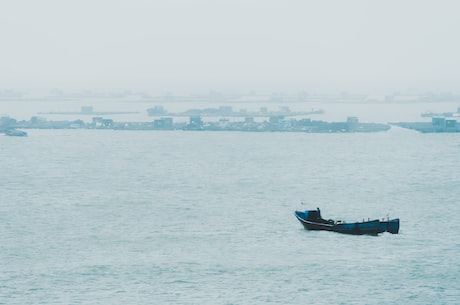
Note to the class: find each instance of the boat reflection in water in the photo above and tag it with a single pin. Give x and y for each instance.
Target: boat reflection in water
(312, 220)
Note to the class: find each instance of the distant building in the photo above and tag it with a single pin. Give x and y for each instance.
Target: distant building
(442, 122)
(276, 122)
(196, 120)
(438, 121)
(352, 123)
(450, 123)
(7, 122)
(99, 122)
(156, 111)
(35, 120)
(195, 123)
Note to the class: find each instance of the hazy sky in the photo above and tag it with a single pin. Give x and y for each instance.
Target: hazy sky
(232, 46)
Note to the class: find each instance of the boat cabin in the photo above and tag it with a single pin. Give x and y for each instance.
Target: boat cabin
(315, 216)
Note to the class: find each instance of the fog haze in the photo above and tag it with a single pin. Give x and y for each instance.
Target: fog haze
(196, 46)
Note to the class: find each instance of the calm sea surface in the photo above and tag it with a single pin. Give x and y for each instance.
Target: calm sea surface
(144, 217)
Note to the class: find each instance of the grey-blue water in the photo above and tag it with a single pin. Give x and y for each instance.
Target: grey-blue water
(113, 217)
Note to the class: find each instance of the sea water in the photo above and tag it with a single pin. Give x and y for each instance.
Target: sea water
(174, 217)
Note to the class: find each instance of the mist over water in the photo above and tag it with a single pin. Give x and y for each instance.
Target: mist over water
(230, 46)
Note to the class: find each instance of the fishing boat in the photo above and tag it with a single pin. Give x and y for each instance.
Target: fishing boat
(15, 133)
(312, 220)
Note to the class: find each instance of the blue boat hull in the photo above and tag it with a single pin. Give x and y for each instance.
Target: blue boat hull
(371, 227)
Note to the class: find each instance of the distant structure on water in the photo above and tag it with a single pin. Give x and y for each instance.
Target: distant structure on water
(273, 124)
(227, 111)
(88, 110)
(437, 124)
(445, 122)
(443, 114)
